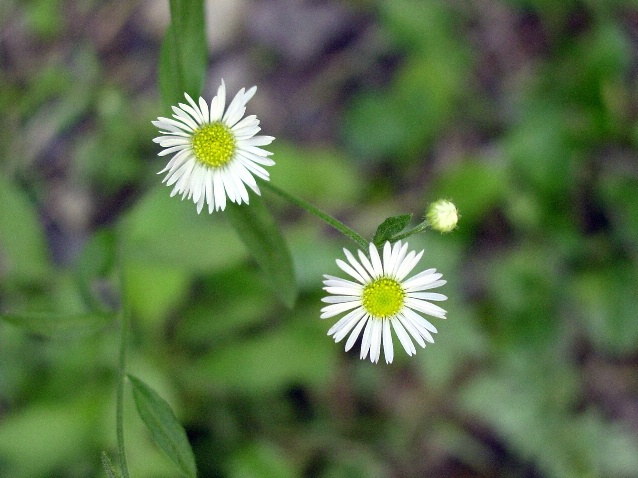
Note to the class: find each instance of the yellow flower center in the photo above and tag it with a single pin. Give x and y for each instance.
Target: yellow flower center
(383, 297)
(213, 144)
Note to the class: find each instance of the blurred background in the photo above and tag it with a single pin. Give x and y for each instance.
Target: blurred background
(523, 112)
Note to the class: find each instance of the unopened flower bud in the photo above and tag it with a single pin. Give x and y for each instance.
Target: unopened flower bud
(442, 215)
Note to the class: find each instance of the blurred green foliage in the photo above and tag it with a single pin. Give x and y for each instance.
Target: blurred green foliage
(523, 112)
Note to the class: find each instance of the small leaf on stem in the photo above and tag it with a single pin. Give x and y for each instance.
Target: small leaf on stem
(166, 431)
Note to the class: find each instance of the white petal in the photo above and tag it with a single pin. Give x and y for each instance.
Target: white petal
(209, 191)
(229, 186)
(249, 121)
(425, 307)
(422, 278)
(408, 265)
(350, 271)
(198, 114)
(375, 340)
(172, 150)
(165, 123)
(356, 331)
(242, 173)
(343, 291)
(335, 309)
(413, 318)
(403, 336)
(203, 108)
(254, 158)
(187, 113)
(343, 283)
(367, 339)
(240, 189)
(176, 160)
(412, 329)
(257, 151)
(185, 118)
(249, 94)
(197, 176)
(258, 141)
(254, 168)
(427, 296)
(218, 104)
(376, 260)
(336, 299)
(387, 258)
(366, 263)
(401, 251)
(420, 321)
(365, 277)
(388, 347)
(218, 191)
(235, 110)
(345, 324)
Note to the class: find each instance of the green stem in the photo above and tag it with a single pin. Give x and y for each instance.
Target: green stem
(415, 230)
(121, 373)
(331, 221)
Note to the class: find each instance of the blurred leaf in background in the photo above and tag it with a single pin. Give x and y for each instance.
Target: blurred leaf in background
(523, 112)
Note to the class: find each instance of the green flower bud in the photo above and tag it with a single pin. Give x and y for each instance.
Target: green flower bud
(442, 215)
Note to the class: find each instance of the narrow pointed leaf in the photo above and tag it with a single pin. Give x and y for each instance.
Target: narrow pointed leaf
(166, 431)
(390, 227)
(59, 326)
(184, 53)
(261, 236)
(108, 466)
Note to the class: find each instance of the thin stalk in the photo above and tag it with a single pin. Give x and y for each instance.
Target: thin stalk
(121, 372)
(331, 221)
(415, 230)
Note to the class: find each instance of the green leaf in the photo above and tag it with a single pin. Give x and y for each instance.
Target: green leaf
(108, 466)
(261, 236)
(58, 326)
(390, 227)
(184, 53)
(23, 250)
(166, 431)
(269, 361)
(166, 232)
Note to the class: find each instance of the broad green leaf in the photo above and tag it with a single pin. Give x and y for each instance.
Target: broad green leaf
(23, 251)
(184, 53)
(270, 361)
(59, 326)
(390, 227)
(261, 236)
(217, 309)
(166, 232)
(166, 431)
(154, 291)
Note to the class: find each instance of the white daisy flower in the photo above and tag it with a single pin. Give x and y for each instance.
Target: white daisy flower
(215, 155)
(380, 297)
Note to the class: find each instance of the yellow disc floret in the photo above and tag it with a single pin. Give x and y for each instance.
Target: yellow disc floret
(213, 144)
(383, 297)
